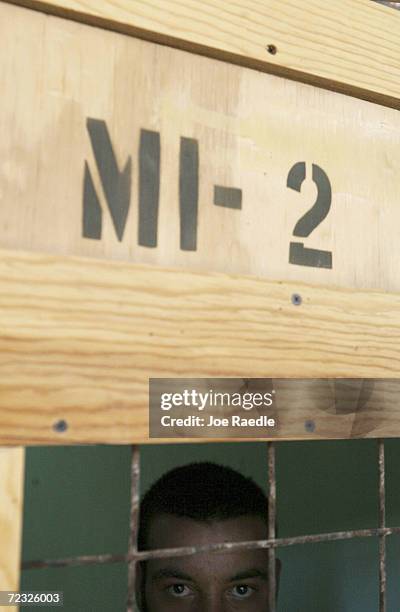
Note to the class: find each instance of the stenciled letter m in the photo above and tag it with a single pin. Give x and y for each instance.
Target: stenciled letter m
(116, 185)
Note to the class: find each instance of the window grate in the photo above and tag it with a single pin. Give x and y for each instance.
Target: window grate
(133, 555)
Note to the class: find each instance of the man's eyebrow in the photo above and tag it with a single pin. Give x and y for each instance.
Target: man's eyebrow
(251, 573)
(171, 572)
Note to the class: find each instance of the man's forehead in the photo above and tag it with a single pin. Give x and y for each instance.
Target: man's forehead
(206, 568)
(218, 568)
(170, 531)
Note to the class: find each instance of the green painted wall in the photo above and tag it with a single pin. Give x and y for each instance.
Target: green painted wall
(77, 502)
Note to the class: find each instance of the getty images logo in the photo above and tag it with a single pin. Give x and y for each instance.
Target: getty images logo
(196, 399)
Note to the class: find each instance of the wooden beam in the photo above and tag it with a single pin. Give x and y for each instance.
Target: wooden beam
(12, 464)
(75, 95)
(351, 46)
(80, 338)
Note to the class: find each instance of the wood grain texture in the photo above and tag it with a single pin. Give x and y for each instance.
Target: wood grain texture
(12, 463)
(80, 338)
(251, 128)
(347, 45)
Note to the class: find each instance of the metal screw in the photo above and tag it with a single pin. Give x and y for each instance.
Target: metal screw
(272, 49)
(60, 426)
(296, 299)
(309, 426)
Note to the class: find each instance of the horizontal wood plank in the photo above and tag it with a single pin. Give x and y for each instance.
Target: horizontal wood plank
(80, 338)
(73, 94)
(350, 46)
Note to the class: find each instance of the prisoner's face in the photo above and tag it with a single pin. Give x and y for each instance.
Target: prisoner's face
(213, 582)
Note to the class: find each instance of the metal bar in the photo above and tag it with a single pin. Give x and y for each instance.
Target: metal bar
(382, 524)
(271, 527)
(133, 527)
(227, 546)
(72, 561)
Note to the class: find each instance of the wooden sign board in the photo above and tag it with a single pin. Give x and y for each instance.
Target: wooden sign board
(114, 148)
(117, 148)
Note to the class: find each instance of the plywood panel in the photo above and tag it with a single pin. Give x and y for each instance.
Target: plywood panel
(79, 339)
(12, 462)
(347, 45)
(201, 162)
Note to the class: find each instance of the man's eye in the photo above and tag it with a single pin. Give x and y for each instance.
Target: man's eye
(242, 591)
(179, 590)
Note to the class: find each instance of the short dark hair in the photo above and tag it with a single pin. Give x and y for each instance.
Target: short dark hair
(203, 492)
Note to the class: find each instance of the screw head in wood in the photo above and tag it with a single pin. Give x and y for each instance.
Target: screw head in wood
(60, 426)
(272, 49)
(309, 426)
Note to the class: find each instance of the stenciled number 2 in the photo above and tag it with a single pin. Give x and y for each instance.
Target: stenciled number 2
(298, 253)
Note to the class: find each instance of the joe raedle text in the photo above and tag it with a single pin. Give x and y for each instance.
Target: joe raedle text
(212, 421)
